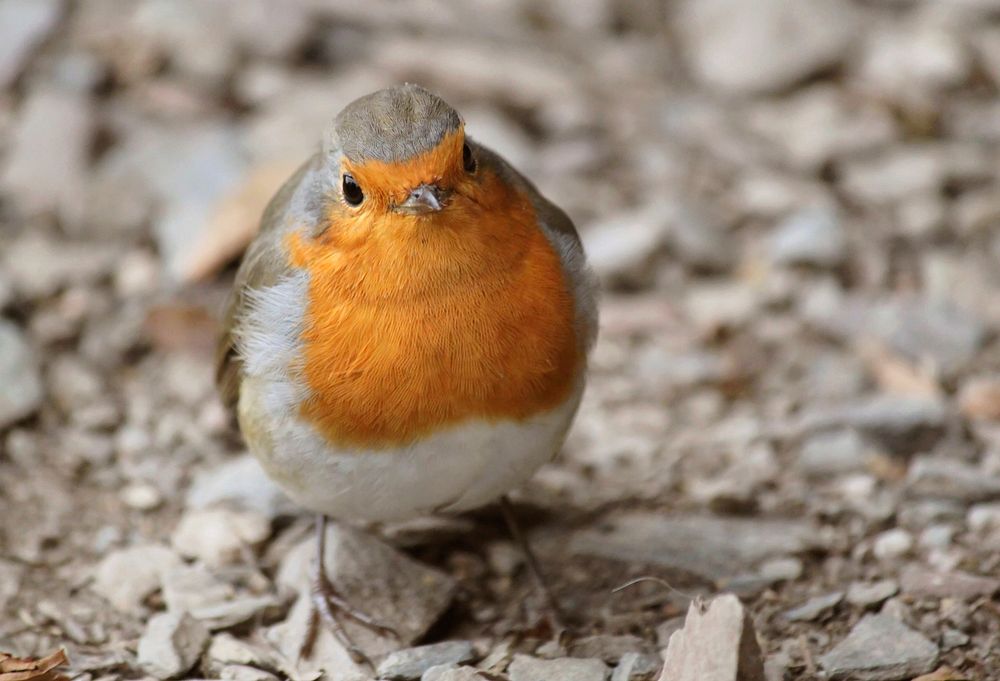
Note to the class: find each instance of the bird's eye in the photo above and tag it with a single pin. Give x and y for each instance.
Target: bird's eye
(352, 192)
(468, 160)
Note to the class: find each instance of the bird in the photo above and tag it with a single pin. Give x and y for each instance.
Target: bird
(408, 333)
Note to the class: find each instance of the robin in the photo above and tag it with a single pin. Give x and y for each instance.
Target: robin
(408, 333)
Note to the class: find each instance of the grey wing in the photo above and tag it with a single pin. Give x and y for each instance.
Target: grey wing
(294, 206)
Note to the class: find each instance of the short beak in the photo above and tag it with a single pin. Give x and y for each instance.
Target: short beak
(426, 198)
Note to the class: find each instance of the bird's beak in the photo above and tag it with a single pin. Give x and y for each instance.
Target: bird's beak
(427, 198)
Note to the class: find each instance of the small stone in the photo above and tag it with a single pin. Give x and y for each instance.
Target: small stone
(389, 586)
(171, 645)
(527, 668)
(20, 381)
(716, 548)
(904, 426)
(833, 453)
(896, 176)
(721, 305)
(608, 648)
(880, 648)
(952, 638)
(39, 266)
(913, 62)
(637, 667)
(449, 672)
(23, 26)
(623, 248)
(815, 607)
(813, 236)
(48, 156)
(892, 544)
(141, 496)
(219, 536)
(226, 649)
(923, 583)
(239, 672)
(772, 45)
(984, 517)
(936, 537)
(125, 577)
(781, 569)
(717, 643)
(410, 664)
(979, 398)
(241, 483)
(941, 478)
(867, 594)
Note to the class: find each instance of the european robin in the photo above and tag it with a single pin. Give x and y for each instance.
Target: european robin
(408, 333)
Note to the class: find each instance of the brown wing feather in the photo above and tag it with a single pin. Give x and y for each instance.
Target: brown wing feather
(262, 265)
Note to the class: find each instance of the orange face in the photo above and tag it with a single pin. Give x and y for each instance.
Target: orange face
(418, 321)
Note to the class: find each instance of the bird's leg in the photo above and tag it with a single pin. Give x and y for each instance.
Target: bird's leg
(552, 604)
(327, 604)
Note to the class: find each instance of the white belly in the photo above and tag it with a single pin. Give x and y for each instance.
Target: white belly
(463, 467)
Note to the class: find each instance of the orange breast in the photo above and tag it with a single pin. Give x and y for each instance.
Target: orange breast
(416, 323)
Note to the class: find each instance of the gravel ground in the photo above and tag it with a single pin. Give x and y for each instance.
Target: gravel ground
(795, 397)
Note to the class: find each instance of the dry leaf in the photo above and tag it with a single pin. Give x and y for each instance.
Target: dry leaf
(233, 225)
(28, 669)
(182, 328)
(896, 375)
(943, 674)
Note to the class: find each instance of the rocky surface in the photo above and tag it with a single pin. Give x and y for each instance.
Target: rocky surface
(793, 209)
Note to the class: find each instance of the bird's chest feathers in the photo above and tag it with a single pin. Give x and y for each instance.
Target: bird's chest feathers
(434, 327)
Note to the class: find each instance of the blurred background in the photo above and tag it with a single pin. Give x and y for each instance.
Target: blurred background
(792, 205)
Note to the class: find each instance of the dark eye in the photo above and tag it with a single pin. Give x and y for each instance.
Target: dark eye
(468, 160)
(352, 192)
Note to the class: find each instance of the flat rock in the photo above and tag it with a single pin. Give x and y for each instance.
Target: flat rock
(900, 424)
(410, 664)
(23, 26)
(924, 583)
(880, 648)
(713, 547)
(527, 668)
(39, 266)
(833, 453)
(242, 484)
(741, 48)
(48, 157)
(815, 607)
(125, 577)
(921, 330)
(20, 381)
(871, 593)
(219, 536)
(622, 248)
(448, 672)
(813, 236)
(171, 645)
(937, 477)
(637, 667)
(386, 584)
(717, 643)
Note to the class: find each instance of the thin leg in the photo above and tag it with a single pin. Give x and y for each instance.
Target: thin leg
(327, 604)
(555, 611)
